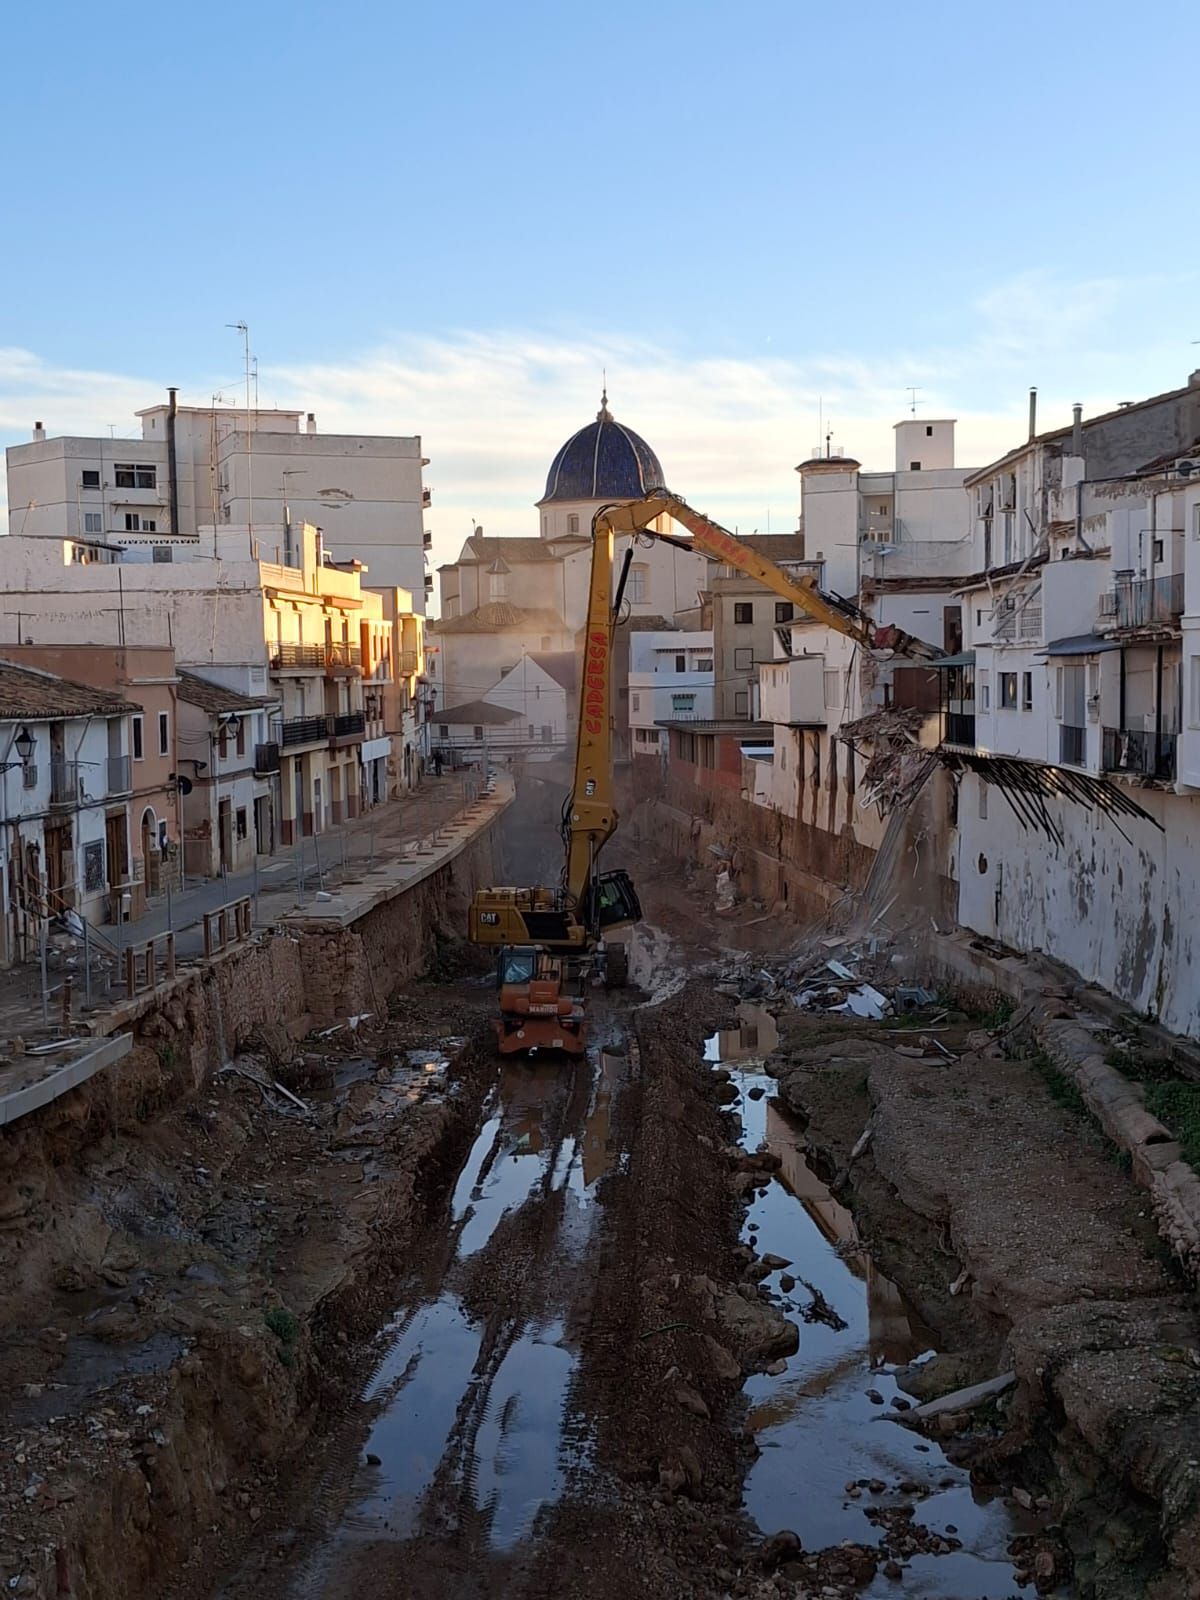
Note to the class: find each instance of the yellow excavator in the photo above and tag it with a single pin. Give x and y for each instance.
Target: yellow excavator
(549, 936)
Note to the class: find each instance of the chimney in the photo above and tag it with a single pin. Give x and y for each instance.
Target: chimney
(1033, 413)
(310, 425)
(1077, 429)
(39, 431)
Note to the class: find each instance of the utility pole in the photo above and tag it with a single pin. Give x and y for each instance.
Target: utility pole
(243, 329)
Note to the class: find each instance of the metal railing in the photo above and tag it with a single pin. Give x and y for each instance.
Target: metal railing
(1072, 745)
(304, 730)
(343, 655)
(960, 728)
(119, 775)
(1150, 755)
(64, 783)
(298, 657)
(347, 724)
(1144, 602)
(266, 758)
(408, 662)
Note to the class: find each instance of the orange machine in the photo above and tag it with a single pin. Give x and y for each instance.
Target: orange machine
(536, 1011)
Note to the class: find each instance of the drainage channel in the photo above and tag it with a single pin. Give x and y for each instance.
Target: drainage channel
(470, 1442)
(818, 1422)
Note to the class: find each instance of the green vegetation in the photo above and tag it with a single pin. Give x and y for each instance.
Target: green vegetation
(1177, 1105)
(286, 1329)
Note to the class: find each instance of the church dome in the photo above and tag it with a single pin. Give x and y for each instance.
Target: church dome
(604, 461)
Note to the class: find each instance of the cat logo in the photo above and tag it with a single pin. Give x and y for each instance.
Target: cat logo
(489, 919)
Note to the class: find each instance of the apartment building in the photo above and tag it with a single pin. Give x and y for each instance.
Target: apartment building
(670, 679)
(1072, 712)
(212, 467)
(229, 763)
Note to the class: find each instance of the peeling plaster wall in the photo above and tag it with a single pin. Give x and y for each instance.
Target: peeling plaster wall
(1124, 913)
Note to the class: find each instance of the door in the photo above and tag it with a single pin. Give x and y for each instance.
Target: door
(116, 853)
(225, 833)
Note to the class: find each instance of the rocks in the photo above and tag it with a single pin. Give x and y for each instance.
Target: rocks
(781, 1546)
(774, 1263)
(756, 1093)
(759, 1331)
(690, 1400)
(720, 1361)
(787, 1283)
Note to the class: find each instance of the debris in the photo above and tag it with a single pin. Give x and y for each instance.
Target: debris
(866, 1001)
(960, 1400)
(960, 1283)
(840, 971)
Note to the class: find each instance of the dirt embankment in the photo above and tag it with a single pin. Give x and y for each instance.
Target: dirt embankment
(981, 1175)
(188, 1294)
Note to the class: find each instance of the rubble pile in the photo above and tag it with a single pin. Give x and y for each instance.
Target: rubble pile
(898, 766)
(837, 973)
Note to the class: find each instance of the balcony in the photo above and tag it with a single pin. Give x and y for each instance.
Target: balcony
(64, 783)
(119, 779)
(304, 730)
(1148, 755)
(266, 759)
(1072, 745)
(960, 729)
(347, 728)
(1144, 603)
(408, 663)
(298, 658)
(877, 528)
(1018, 624)
(341, 660)
(426, 497)
(427, 540)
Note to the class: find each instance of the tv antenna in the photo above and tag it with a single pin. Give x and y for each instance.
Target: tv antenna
(913, 391)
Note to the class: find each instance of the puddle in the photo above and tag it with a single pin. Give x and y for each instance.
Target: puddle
(470, 1425)
(814, 1424)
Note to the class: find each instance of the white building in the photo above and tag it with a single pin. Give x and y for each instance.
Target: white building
(670, 678)
(1073, 712)
(198, 467)
(65, 782)
(230, 759)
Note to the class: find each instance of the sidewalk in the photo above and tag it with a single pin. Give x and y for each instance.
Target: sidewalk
(285, 883)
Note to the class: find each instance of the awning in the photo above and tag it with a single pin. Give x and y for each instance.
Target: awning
(965, 658)
(759, 752)
(1081, 644)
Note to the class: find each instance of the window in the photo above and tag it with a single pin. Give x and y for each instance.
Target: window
(743, 611)
(241, 734)
(635, 588)
(136, 524)
(1008, 691)
(532, 732)
(704, 664)
(833, 688)
(1158, 551)
(223, 741)
(478, 731)
(985, 691)
(914, 466)
(163, 552)
(680, 663)
(784, 611)
(1027, 691)
(743, 658)
(91, 478)
(240, 822)
(547, 733)
(707, 750)
(138, 750)
(93, 522)
(134, 475)
(928, 431)
(637, 702)
(164, 733)
(683, 702)
(573, 522)
(983, 789)
(443, 731)
(741, 703)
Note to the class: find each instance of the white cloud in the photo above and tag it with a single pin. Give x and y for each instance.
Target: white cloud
(492, 407)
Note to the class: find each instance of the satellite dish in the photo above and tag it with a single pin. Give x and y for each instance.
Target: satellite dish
(1186, 468)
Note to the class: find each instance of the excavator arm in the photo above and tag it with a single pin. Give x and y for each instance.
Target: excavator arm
(587, 901)
(591, 817)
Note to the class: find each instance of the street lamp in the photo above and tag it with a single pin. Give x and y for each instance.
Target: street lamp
(23, 744)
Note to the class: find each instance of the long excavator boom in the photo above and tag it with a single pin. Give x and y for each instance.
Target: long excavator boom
(587, 901)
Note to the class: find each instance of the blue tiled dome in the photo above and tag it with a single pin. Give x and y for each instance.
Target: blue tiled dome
(603, 461)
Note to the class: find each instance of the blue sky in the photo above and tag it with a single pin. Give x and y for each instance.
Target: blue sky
(445, 219)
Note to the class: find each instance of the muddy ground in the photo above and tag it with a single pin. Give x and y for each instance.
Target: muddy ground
(458, 1329)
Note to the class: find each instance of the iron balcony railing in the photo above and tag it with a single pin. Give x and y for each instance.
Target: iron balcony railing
(1072, 745)
(64, 783)
(119, 779)
(1144, 602)
(960, 728)
(1150, 755)
(347, 724)
(304, 730)
(266, 758)
(298, 657)
(343, 655)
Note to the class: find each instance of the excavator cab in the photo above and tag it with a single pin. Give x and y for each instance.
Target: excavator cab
(612, 901)
(536, 1010)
